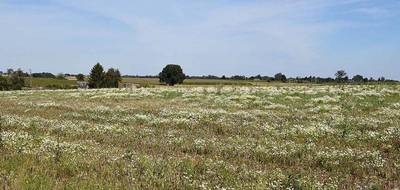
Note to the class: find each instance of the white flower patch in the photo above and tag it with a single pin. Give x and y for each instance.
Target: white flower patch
(326, 99)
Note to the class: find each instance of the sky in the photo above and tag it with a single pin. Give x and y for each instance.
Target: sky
(205, 37)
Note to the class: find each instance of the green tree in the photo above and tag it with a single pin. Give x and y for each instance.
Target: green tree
(97, 77)
(80, 77)
(341, 76)
(113, 78)
(172, 74)
(358, 78)
(280, 77)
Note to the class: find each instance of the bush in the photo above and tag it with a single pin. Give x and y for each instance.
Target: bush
(16, 81)
(4, 84)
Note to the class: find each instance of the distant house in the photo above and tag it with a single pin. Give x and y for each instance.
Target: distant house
(82, 84)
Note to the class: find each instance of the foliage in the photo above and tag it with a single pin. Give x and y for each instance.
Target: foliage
(17, 81)
(43, 75)
(341, 76)
(80, 77)
(113, 78)
(97, 77)
(4, 84)
(358, 78)
(280, 77)
(172, 74)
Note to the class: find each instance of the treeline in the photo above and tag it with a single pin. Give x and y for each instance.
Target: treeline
(340, 77)
(170, 75)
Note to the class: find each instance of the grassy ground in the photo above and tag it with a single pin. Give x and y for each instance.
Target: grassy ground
(49, 83)
(290, 137)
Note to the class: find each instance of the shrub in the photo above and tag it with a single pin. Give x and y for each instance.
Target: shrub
(4, 84)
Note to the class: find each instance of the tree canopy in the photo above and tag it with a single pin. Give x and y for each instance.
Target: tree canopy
(172, 74)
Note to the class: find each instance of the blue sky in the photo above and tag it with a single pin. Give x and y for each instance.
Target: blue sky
(246, 37)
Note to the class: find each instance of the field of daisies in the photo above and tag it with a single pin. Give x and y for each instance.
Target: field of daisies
(289, 137)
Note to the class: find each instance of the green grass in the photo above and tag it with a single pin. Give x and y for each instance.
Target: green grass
(202, 137)
(46, 82)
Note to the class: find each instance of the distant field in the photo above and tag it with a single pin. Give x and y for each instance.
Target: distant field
(47, 82)
(202, 137)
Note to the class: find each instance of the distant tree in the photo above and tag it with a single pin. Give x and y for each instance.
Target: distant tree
(113, 78)
(280, 77)
(80, 77)
(238, 77)
(223, 77)
(341, 76)
(43, 75)
(172, 74)
(358, 78)
(20, 73)
(97, 77)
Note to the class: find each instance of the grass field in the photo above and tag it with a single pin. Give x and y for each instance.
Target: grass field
(232, 137)
(49, 83)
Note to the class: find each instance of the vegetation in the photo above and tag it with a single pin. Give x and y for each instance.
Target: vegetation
(280, 77)
(80, 77)
(14, 81)
(113, 78)
(273, 137)
(43, 75)
(172, 74)
(99, 79)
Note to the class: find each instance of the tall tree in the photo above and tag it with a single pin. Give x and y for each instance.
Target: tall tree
(280, 77)
(341, 76)
(172, 74)
(113, 78)
(97, 77)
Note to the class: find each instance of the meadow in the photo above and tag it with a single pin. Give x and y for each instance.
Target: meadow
(202, 137)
